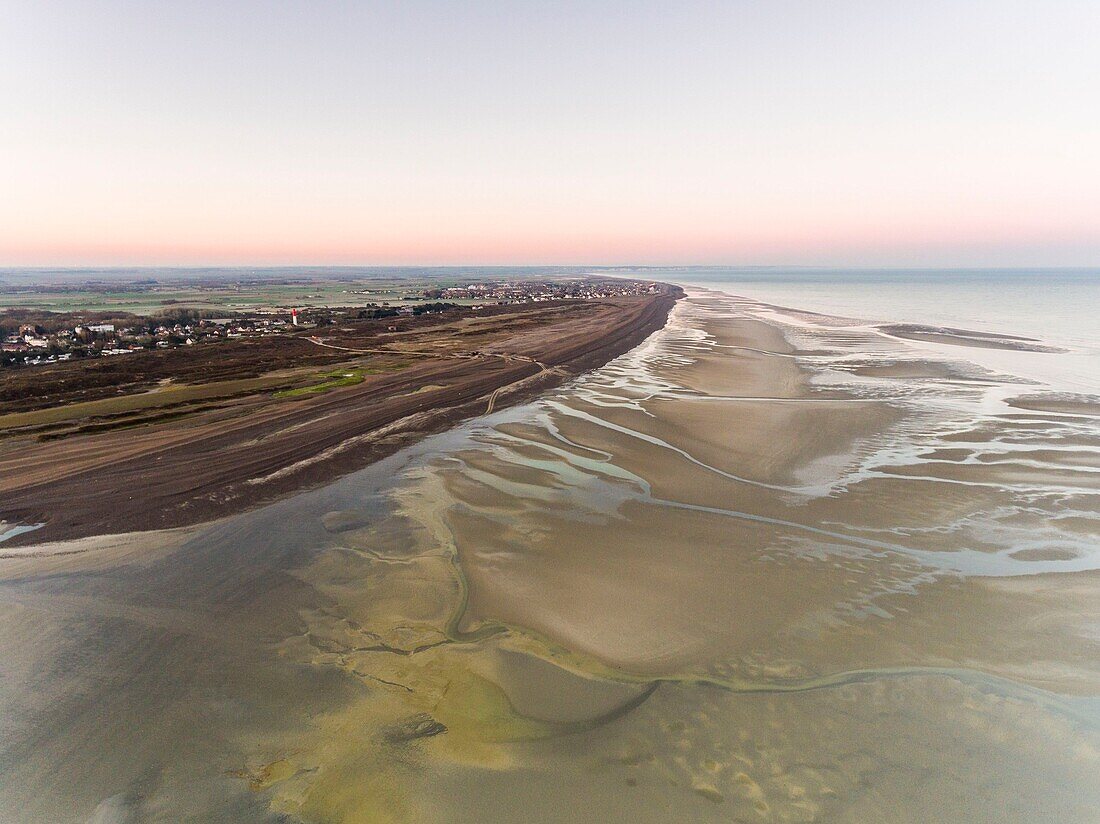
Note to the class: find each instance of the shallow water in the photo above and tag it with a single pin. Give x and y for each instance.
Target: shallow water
(769, 566)
(1054, 305)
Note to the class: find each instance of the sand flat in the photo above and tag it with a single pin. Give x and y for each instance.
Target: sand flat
(721, 578)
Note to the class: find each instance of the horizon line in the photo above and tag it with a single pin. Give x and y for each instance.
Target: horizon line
(663, 266)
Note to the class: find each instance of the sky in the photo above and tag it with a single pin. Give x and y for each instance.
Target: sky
(930, 133)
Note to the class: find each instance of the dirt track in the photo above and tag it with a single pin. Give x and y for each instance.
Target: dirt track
(231, 458)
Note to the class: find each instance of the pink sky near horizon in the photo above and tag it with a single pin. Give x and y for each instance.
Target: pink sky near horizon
(849, 133)
(574, 249)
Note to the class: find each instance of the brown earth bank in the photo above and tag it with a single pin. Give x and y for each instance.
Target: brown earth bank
(184, 454)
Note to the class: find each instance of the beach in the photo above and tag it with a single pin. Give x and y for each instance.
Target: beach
(773, 563)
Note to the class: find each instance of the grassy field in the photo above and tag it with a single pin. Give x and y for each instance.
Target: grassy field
(332, 380)
(166, 396)
(282, 385)
(228, 298)
(338, 378)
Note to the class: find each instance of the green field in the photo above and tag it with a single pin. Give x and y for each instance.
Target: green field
(337, 379)
(333, 380)
(227, 297)
(166, 396)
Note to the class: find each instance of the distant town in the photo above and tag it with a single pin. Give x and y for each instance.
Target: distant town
(33, 338)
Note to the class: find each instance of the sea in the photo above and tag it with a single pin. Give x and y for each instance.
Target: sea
(1056, 305)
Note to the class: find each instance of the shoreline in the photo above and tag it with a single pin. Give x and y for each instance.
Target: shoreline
(711, 527)
(229, 467)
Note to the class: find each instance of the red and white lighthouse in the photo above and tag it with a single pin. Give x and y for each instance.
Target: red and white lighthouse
(294, 316)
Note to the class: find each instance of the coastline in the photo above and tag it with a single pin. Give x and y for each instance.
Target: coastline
(702, 566)
(200, 473)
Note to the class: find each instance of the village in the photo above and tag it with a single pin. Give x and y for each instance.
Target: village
(32, 344)
(51, 338)
(543, 290)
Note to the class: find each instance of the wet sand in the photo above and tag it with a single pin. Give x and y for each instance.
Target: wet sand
(967, 337)
(1068, 405)
(725, 577)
